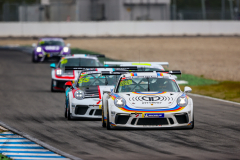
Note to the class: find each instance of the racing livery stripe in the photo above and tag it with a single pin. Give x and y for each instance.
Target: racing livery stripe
(128, 109)
(99, 92)
(175, 109)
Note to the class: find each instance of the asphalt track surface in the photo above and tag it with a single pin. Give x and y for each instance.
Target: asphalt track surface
(27, 104)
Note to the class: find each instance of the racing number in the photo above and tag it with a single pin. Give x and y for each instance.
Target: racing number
(83, 80)
(124, 83)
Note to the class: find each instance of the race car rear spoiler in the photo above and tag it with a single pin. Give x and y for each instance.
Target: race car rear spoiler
(174, 72)
(137, 63)
(91, 55)
(89, 67)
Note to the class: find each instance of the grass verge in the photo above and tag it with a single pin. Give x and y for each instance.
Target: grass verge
(227, 90)
(2, 157)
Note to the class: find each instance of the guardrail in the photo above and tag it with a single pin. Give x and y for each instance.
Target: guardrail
(120, 28)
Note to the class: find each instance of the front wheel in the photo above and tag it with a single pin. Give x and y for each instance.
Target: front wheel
(52, 90)
(65, 113)
(33, 58)
(192, 123)
(69, 115)
(108, 125)
(103, 122)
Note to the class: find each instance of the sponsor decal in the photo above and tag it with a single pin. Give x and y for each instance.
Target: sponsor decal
(136, 115)
(149, 99)
(154, 115)
(151, 103)
(112, 124)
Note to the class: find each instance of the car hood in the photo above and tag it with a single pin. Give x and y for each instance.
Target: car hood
(52, 48)
(95, 91)
(150, 99)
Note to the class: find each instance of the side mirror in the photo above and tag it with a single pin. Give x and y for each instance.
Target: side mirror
(53, 65)
(68, 84)
(187, 89)
(68, 44)
(34, 45)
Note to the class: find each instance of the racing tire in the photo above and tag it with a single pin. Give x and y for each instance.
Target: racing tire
(103, 122)
(65, 113)
(108, 123)
(69, 115)
(33, 58)
(52, 90)
(192, 126)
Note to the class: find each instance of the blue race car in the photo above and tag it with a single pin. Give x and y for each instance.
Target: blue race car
(49, 49)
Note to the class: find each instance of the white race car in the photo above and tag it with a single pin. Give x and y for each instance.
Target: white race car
(145, 66)
(60, 76)
(84, 97)
(147, 100)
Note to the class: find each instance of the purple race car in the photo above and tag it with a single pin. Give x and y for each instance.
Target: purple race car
(50, 49)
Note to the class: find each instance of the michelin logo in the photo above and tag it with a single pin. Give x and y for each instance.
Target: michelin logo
(154, 115)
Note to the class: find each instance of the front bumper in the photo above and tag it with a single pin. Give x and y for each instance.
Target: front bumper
(59, 84)
(55, 56)
(87, 111)
(140, 120)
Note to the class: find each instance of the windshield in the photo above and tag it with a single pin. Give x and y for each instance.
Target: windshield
(147, 84)
(51, 43)
(78, 62)
(97, 80)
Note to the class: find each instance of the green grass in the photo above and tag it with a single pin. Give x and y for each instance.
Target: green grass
(196, 81)
(2, 157)
(227, 90)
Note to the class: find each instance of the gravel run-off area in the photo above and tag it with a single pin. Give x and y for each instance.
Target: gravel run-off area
(215, 58)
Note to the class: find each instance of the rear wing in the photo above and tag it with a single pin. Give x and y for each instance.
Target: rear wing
(92, 67)
(136, 63)
(174, 72)
(91, 55)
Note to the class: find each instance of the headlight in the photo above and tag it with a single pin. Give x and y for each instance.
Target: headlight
(119, 102)
(39, 49)
(182, 101)
(59, 72)
(79, 94)
(65, 49)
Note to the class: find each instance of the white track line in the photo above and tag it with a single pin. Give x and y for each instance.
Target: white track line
(36, 150)
(29, 154)
(13, 140)
(216, 99)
